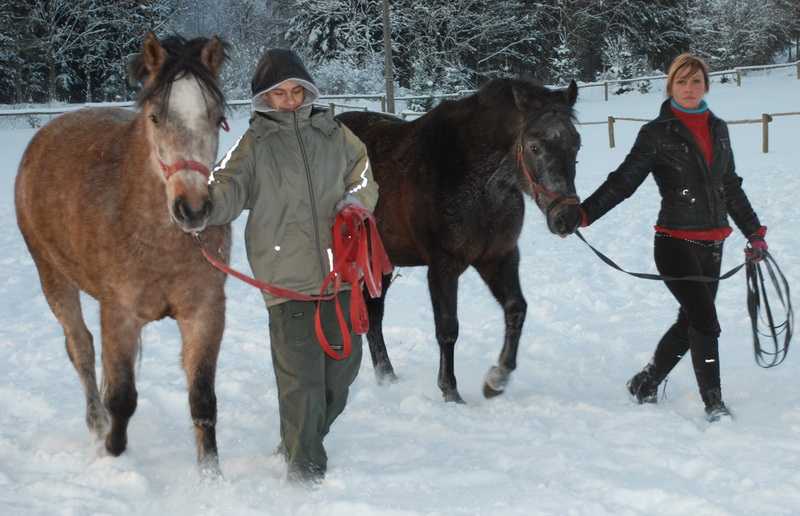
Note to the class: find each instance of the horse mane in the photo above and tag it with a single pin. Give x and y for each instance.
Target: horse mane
(534, 99)
(182, 58)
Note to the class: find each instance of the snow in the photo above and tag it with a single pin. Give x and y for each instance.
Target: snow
(565, 439)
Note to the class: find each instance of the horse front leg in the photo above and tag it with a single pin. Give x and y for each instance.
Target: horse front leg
(121, 338)
(384, 372)
(443, 285)
(202, 336)
(502, 278)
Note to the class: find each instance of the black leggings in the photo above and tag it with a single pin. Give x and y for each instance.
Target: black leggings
(677, 257)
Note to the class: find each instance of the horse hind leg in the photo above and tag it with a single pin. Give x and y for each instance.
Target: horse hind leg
(502, 278)
(382, 365)
(64, 301)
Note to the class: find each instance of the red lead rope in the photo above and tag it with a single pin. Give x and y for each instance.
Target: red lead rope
(353, 239)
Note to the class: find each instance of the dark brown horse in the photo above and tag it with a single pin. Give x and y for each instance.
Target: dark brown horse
(104, 198)
(451, 196)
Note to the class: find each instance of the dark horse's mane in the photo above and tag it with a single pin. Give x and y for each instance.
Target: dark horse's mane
(182, 57)
(507, 95)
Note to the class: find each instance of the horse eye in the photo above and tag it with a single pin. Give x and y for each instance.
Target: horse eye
(535, 149)
(153, 119)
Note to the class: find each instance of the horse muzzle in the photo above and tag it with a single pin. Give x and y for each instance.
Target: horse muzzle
(190, 218)
(564, 215)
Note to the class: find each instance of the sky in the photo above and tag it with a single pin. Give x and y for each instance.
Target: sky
(564, 439)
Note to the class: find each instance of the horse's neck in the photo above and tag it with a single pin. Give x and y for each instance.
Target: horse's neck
(140, 178)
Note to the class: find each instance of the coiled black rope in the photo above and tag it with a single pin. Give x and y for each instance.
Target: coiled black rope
(762, 315)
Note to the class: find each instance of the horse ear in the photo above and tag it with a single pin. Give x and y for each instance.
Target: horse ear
(214, 54)
(571, 93)
(153, 54)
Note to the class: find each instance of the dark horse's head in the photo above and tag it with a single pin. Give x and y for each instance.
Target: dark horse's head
(541, 125)
(182, 109)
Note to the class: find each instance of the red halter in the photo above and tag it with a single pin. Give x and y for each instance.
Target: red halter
(184, 165)
(567, 198)
(189, 164)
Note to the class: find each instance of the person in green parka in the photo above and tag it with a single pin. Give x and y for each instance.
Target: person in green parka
(294, 169)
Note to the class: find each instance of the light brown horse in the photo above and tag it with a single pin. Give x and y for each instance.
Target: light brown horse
(105, 198)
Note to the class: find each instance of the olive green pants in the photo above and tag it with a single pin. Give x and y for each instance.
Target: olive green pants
(312, 387)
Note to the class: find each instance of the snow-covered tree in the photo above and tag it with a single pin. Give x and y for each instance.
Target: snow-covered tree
(621, 63)
(732, 33)
(564, 66)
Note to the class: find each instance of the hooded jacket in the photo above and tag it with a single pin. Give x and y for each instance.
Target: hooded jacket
(274, 68)
(291, 170)
(695, 196)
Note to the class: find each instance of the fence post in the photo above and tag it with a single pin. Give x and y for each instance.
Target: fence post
(765, 120)
(605, 83)
(333, 108)
(798, 70)
(611, 142)
(738, 77)
(383, 104)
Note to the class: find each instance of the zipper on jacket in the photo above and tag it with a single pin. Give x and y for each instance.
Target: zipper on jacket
(320, 254)
(705, 168)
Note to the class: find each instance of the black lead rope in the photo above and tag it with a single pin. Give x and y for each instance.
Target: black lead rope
(643, 275)
(757, 296)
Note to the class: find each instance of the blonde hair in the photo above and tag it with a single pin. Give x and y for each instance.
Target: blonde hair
(686, 64)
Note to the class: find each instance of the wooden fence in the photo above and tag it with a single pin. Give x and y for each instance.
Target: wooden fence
(765, 119)
(738, 72)
(330, 102)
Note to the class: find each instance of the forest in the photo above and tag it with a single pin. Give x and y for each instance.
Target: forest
(75, 51)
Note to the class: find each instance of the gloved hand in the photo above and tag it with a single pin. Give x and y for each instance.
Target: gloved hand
(757, 246)
(585, 219)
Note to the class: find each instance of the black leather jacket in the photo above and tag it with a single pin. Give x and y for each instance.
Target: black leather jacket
(694, 195)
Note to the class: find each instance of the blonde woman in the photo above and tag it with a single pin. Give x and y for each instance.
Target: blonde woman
(688, 151)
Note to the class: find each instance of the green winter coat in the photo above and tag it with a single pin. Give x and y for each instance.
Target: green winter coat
(292, 170)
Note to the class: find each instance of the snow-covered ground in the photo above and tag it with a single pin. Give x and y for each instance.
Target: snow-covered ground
(564, 439)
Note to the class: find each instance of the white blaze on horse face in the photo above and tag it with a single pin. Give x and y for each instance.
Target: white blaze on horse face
(186, 142)
(192, 133)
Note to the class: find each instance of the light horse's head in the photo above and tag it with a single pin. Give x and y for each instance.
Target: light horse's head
(546, 150)
(182, 110)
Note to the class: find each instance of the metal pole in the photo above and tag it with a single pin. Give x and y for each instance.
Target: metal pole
(387, 58)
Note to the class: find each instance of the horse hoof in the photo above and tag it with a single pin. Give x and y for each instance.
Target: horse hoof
(98, 422)
(115, 447)
(453, 397)
(385, 376)
(210, 472)
(490, 393)
(495, 382)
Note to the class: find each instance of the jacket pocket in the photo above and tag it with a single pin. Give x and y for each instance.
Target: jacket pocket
(294, 263)
(674, 154)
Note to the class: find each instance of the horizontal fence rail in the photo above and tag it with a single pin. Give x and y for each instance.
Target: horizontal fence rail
(765, 119)
(329, 101)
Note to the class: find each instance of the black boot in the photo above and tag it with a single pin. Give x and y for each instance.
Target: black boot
(715, 407)
(705, 359)
(644, 385)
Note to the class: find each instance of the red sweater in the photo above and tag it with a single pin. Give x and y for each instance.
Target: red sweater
(697, 123)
